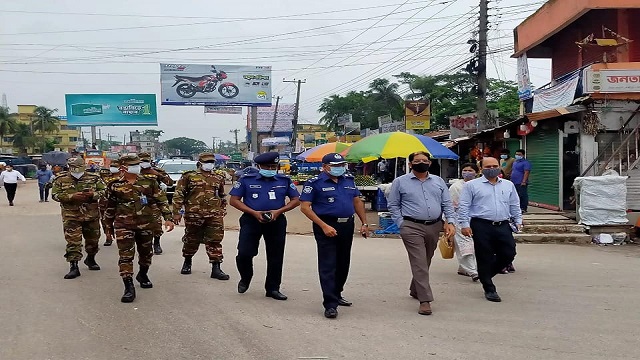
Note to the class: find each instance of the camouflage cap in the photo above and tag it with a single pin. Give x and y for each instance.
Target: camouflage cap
(115, 163)
(126, 160)
(76, 164)
(206, 157)
(145, 156)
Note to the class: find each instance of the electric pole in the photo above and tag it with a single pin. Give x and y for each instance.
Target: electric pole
(294, 135)
(481, 104)
(235, 133)
(213, 148)
(254, 131)
(275, 115)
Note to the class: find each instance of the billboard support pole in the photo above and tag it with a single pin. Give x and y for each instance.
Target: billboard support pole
(254, 130)
(93, 136)
(294, 134)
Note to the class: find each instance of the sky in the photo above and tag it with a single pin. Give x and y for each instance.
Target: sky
(51, 48)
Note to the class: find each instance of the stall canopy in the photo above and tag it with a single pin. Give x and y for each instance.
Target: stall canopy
(56, 157)
(386, 145)
(316, 153)
(437, 150)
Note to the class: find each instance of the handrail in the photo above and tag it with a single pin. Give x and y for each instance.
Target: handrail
(625, 141)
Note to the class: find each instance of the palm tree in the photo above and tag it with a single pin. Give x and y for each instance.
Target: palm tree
(45, 122)
(385, 93)
(7, 123)
(23, 138)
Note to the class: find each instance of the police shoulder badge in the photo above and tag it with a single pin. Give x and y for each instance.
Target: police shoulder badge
(237, 185)
(307, 189)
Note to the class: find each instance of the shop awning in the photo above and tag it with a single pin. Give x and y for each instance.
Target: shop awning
(553, 113)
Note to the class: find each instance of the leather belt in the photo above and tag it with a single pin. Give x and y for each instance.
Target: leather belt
(423, 222)
(336, 219)
(491, 222)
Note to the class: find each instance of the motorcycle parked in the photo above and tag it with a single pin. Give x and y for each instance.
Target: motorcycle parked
(190, 85)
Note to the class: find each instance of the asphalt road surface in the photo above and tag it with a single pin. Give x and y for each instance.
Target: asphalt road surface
(565, 302)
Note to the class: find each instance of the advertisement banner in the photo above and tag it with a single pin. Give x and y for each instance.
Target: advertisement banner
(463, 125)
(417, 115)
(227, 110)
(189, 84)
(612, 81)
(559, 95)
(284, 118)
(524, 82)
(344, 119)
(351, 128)
(384, 120)
(111, 109)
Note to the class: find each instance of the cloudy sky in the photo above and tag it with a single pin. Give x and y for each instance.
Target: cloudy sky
(50, 48)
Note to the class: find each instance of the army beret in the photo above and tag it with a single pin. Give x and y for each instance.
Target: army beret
(333, 159)
(267, 158)
(145, 156)
(129, 160)
(76, 163)
(206, 157)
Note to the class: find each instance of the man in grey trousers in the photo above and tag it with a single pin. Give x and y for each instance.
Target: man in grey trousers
(417, 202)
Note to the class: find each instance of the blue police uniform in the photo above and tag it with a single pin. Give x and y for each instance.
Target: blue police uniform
(263, 193)
(333, 203)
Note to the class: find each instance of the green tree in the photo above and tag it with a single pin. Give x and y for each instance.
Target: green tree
(44, 122)
(384, 97)
(185, 146)
(23, 138)
(8, 123)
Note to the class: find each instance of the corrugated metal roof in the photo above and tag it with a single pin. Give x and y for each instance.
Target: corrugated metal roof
(548, 114)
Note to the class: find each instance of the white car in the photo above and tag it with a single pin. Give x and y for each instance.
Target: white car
(175, 168)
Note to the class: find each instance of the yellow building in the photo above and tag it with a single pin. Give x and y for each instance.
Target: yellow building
(314, 134)
(65, 138)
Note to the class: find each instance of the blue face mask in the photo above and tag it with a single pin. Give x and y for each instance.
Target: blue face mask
(519, 157)
(337, 171)
(504, 156)
(268, 173)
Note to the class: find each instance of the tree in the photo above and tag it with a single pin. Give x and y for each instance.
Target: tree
(23, 138)
(185, 146)
(155, 133)
(8, 123)
(44, 120)
(384, 97)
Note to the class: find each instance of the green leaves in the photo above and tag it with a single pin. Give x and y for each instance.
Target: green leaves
(186, 146)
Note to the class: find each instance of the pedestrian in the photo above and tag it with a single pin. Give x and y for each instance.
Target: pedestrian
(464, 244)
(487, 204)
(382, 170)
(130, 217)
(147, 169)
(330, 201)
(78, 193)
(201, 193)
(44, 179)
(261, 198)
(108, 175)
(520, 178)
(506, 163)
(10, 177)
(417, 202)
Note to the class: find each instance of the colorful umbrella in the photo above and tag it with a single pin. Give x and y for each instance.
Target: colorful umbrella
(316, 153)
(437, 150)
(386, 145)
(220, 157)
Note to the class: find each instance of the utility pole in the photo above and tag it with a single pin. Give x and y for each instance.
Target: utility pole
(100, 139)
(481, 104)
(275, 115)
(235, 133)
(93, 136)
(294, 135)
(213, 148)
(254, 131)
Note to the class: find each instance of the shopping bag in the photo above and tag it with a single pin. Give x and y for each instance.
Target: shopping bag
(446, 250)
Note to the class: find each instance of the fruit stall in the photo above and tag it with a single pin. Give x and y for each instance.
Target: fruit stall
(368, 187)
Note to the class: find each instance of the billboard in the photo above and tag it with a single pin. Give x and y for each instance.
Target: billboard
(284, 118)
(417, 114)
(215, 85)
(111, 109)
(344, 119)
(228, 110)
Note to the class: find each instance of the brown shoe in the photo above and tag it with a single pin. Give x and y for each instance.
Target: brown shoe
(425, 308)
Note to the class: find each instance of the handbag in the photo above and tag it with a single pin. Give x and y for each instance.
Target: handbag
(446, 250)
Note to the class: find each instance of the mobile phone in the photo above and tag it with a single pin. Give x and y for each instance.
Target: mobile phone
(267, 216)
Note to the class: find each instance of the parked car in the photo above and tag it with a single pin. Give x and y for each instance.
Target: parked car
(175, 169)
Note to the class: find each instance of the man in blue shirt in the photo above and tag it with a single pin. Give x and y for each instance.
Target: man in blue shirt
(486, 207)
(330, 201)
(417, 202)
(261, 197)
(520, 178)
(44, 178)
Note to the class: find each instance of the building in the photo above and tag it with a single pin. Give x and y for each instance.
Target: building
(310, 135)
(145, 142)
(584, 121)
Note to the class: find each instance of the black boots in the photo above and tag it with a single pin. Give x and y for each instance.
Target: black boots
(143, 279)
(108, 242)
(186, 266)
(91, 263)
(157, 250)
(217, 273)
(129, 290)
(74, 272)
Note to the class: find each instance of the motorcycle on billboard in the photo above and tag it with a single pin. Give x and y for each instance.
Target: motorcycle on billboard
(189, 86)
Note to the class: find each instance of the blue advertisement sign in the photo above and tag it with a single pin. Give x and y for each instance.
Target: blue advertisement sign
(111, 109)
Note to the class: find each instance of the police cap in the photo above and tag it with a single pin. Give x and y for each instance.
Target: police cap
(206, 157)
(333, 159)
(127, 160)
(76, 164)
(267, 158)
(145, 156)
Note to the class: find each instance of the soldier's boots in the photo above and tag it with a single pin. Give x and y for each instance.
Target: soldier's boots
(129, 290)
(108, 242)
(157, 250)
(91, 263)
(186, 266)
(143, 278)
(74, 271)
(217, 273)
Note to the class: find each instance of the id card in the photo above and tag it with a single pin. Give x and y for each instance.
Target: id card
(272, 195)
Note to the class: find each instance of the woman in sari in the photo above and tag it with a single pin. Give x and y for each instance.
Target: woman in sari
(464, 244)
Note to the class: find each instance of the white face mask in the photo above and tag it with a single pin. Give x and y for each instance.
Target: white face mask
(114, 170)
(133, 169)
(145, 165)
(207, 166)
(77, 175)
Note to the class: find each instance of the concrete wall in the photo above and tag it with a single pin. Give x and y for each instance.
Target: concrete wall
(614, 113)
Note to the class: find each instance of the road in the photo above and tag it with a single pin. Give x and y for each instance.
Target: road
(565, 302)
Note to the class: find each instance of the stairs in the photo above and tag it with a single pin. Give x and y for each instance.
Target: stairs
(551, 228)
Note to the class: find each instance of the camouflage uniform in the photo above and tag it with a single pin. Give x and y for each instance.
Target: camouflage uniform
(78, 200)
(160, 176)
(107, 177)
(202, 195)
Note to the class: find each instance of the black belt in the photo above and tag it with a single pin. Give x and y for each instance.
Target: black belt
(491, 222)
(423, 222)
(336, 219)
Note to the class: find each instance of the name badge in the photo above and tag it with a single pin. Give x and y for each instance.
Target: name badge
(255, 186)
(329, 189)
(272, 195)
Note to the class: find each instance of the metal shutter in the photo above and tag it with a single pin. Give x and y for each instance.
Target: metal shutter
(543, 148)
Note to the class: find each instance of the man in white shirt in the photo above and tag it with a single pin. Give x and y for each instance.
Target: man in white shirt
(10, 179)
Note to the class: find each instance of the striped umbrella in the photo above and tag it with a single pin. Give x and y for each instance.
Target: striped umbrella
(316, 153)
(386, 145)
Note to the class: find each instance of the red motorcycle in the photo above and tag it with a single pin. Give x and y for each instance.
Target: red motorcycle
(190, 86)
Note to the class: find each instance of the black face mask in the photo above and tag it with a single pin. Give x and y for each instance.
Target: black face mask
(420, 168)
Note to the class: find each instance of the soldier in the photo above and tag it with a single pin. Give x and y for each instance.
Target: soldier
(162, 177)
(129, 210)
(78, 193)
(201, 192)
(108, 175)
(262, 199)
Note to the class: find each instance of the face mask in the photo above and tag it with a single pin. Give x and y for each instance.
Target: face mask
(145, 165)
(519, 157)
(504, 157)
(491, 173)
(207, 166)
(337, 171)
(420, 168)
(133, 169)
(268, 173)
(114, 170)
(468, 175)
(77, 175)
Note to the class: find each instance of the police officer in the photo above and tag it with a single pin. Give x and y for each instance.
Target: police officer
(261, 196)
(330, 201)
(147, 169)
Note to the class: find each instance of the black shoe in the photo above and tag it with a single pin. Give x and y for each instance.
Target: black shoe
(242, 287)
(186, 266)
(46, 200)
(74, 271)
(510, 268)
(91, 263)
(413, 295)
(143, 278)
(108, 242)
(217, 273)
(344, 302)
(157, 250)
(331, 313)
(10, 203)
(492, 296)
(129, 290)
(275, 294)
